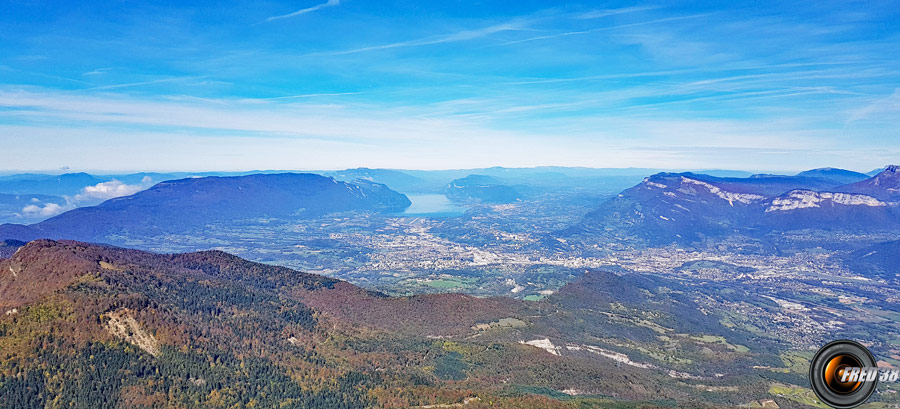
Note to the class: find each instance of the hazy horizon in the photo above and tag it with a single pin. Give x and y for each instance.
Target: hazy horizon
(115, 172)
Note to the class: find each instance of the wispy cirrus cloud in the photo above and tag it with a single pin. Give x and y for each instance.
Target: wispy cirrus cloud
(464, 35)
(329, 3)
(306, 135)
(608, 28)
(98, 71)
(140, 83)
(885, 108)
(302, 96)
(611, 12)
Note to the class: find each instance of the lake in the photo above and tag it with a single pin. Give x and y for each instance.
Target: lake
(432, 205)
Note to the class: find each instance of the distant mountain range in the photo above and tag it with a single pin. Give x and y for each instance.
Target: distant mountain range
(686, 207)
(397, 180)
(178, 206)
(71, 184)
(57, 185)
(834, 174)
(664, 208)
(481, 189)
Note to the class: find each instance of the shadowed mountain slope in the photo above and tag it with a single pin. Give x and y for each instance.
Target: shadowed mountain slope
(179, 206)
(689, 208)
(883, 186)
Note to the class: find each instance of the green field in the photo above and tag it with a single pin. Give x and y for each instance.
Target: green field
(448, 283)
(797, 394)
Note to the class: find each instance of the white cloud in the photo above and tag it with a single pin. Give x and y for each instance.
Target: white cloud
(110, 190)
(329, 3)
(48, 210)
(89, 195)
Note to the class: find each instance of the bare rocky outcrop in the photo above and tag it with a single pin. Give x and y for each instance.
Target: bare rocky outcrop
(123, 325)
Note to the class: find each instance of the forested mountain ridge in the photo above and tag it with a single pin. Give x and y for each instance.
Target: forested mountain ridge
(86, 325)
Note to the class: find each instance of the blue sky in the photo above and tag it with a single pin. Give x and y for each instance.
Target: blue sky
(327, 84)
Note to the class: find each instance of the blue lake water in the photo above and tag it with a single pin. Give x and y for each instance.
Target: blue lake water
(432, 205)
